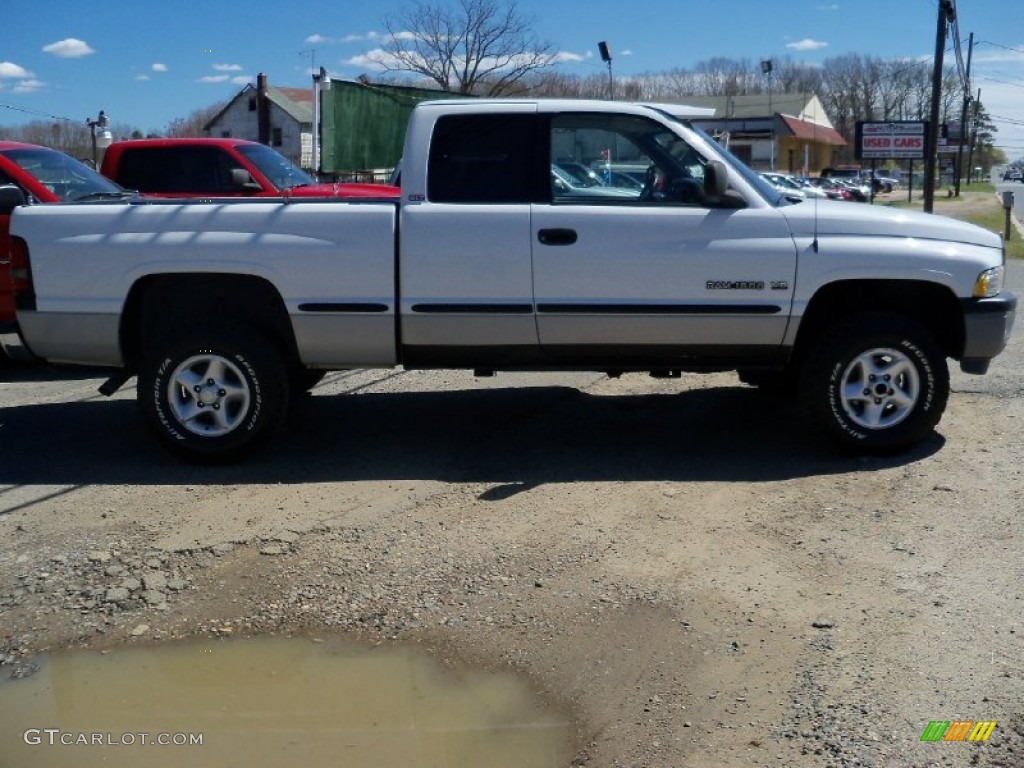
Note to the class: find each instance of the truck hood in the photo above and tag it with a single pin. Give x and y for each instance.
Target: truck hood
(345, 190)
(836, 218)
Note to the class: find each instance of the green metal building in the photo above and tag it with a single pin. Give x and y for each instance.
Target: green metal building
(363, 125)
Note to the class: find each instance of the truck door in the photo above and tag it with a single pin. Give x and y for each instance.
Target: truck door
(466, 280)
(641, 261)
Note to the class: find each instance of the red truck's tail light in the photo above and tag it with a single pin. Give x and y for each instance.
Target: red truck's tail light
(21, 274)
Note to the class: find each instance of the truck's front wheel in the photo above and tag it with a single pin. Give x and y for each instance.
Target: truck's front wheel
(877, 381)
(211, 396)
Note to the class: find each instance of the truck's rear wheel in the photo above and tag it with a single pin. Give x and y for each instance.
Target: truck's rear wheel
(877, 381)
(212, 395)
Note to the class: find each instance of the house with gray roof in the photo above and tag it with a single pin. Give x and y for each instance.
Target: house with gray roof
(281, 118)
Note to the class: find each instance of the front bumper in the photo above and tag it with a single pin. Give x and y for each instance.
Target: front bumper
(987, 327)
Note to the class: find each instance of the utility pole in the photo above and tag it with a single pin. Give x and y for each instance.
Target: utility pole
(963, 119)
(946, 15)
(974, 132)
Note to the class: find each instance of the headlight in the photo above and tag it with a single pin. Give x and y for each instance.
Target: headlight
(989, 283)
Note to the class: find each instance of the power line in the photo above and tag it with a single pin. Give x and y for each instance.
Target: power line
(1004, 82)
(999, 45)
(36, 112)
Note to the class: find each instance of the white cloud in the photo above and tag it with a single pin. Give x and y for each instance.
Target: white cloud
(10, 69)
(563, 56)
(70, 48)
(627, 52)
(360, 38)
(213, 79)
(228, 67)
(158, 67)
(142, 77)
(318, 38)
(28, 86)
(807, 44)
(243, 80)
(832, 7)
(371, 60)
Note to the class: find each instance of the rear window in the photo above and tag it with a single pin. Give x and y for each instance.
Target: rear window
(482, 159)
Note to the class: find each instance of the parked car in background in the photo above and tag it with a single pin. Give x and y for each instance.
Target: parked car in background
(859, 191)
(44, 176)
(879, 180)
(832, 188)
(218, 168)
(574, 180)
(794, 182)
(791, 190)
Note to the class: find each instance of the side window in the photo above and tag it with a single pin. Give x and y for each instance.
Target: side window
(142, 169)
(482, 159)
(177, 170)
(196, 171)
(622, 159)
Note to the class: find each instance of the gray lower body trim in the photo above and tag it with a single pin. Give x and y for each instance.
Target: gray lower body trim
(987, 327)
(80, 338)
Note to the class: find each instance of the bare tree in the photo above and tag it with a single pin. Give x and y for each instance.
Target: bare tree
(474, 47)
(192, 126)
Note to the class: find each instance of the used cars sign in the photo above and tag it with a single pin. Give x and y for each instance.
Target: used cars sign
(900, 138)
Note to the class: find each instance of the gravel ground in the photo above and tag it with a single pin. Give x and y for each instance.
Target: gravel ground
(677, 564)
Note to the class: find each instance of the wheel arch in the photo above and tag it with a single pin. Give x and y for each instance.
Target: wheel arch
(158, 304)
(932, 305)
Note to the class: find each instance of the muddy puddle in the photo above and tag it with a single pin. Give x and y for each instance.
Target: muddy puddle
(272, 702)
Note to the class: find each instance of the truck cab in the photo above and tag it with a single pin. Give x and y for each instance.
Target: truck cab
(218, 168)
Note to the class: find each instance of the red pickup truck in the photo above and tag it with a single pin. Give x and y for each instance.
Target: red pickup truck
(218, 168)
(45, 176)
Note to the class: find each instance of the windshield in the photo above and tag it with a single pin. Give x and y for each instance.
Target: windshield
(64, 176)
(277, 168)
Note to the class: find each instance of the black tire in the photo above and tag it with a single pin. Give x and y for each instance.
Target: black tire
(845, 393)
(211, 396)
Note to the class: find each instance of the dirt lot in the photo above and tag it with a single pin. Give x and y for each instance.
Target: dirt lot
(679, 564)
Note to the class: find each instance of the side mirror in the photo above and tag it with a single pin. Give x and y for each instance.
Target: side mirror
(716, 179)
(10, 198)
(242, 179)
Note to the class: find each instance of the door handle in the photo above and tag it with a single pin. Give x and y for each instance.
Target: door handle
(557, 236)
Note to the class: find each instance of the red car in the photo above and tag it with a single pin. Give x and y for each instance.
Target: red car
(218, 168)
(45, 176)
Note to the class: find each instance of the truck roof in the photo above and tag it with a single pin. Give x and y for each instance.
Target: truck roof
(164, 142)
(572, 105)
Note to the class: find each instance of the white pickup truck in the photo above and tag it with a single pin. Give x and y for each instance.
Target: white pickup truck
(488, 262)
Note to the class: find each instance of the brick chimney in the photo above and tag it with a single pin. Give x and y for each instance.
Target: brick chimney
(262, 109)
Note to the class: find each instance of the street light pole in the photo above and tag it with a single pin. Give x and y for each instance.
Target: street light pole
(766, 68)
(104, 139)
(321, 83)
(606, 57)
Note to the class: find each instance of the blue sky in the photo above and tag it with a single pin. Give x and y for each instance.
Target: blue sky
(148, 62)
